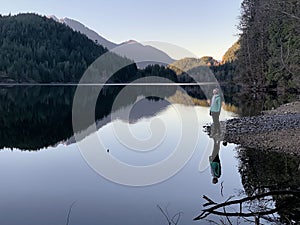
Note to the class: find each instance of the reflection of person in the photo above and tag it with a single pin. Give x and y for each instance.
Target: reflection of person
(215, 109)
(215, 163)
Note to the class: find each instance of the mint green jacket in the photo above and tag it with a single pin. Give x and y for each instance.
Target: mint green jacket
(215, 105)
(215, 169)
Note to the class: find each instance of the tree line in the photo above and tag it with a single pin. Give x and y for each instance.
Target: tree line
(36, 49)
(269, 53)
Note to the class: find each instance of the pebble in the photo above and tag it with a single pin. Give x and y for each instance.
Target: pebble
(279, 132)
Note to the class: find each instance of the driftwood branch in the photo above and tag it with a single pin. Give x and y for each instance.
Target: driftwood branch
(209, 201)
(213, 209)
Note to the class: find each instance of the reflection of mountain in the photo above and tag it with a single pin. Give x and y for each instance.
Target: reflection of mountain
(36, 117)
(146, 107)
(140, 109)
(125, 105)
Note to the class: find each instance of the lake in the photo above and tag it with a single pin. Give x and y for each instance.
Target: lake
(142, 157)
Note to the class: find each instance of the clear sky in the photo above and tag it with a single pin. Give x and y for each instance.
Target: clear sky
(204, 27)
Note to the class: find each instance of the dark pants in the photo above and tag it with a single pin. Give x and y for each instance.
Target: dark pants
(216, 122)
(216, 149)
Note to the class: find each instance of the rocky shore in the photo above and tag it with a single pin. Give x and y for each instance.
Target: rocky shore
(274, 130)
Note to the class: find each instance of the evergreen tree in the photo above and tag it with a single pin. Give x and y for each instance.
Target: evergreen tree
(38, 49)
(269, 44)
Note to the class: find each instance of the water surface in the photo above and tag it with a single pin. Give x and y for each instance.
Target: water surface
(43, 171)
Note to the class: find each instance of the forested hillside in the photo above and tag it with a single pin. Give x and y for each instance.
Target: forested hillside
(230, 54)
(269, 52)
(186, 64)
(38, 49)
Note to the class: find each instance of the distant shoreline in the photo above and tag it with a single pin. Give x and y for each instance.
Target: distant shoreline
(109, 84)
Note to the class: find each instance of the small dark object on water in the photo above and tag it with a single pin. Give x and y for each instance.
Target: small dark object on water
(107, 150)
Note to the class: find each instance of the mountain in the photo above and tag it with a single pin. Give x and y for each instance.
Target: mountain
(77, 26)
(230, 54)
(37, 49)
(186, 64)
(142, 54)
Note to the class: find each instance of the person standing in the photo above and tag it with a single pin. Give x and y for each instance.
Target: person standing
(215, 109)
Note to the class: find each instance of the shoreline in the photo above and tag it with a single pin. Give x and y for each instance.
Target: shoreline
(275, 130)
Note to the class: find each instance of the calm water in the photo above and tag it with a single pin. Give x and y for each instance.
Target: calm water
(44, 171)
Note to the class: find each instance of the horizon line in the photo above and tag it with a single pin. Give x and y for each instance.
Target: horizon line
(108, 84)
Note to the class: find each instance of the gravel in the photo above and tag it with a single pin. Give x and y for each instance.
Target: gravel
(274, 130)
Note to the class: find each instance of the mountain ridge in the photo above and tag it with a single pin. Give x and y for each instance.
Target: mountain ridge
(91, 34)
(36, 49)
(188, 63)
(144, 55)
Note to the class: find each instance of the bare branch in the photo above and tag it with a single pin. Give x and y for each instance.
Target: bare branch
(288, 14)
(166, 216)
(212, 210)
(257, 220)
(210, 202)
(211, 221)
(175, 219)
(69, 212)
(177, 215)
(242, 214)
(222, 187)
(224, 208)
(282, 60)
(202, 215)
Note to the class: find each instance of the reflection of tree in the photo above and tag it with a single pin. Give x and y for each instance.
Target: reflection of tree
(272, 187)
(249, 103)
(253, 103)
(261, 212)
(261, 171)
(265, 171)
(34, 117)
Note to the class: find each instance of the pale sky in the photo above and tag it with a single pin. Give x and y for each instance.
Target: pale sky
(203, 27)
